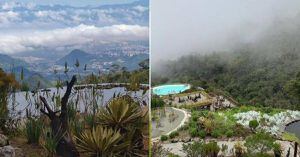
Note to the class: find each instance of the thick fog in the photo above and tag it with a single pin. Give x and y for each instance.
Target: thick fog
(180, 27)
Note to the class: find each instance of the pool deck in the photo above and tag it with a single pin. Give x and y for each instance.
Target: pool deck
(187, 86)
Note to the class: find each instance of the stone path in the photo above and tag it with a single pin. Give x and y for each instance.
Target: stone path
(167, 127)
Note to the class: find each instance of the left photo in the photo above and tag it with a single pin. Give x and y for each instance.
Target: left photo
(74, 78)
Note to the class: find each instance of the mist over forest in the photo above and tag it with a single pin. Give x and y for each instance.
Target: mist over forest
(260, 69)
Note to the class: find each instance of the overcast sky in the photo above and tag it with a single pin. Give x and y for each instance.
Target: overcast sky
(72, 2)
(182, 26)
(27, 27)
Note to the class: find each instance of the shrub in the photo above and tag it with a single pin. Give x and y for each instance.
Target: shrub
(253, 124)
(277, 149)
(193, 124)
(239, 130)
(202, 134)
(193, 149)
(164, 138)
(33, 128)
(216, 133)
(229, 133)
(211, 149)
(193, 132)
(173, 134)
(50, 142)
(260, 142)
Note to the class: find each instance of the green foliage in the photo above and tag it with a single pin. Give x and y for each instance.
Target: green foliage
(217, 125)
(125, 115)
(77, 127)
(71, 112)
(173, 134)
(229, 133)
(120, 113)
(202, 134)
(173, 155)
(194, 149)
(253, 124)
(135, 77)
(193, 132)
(101, 141)
(211, 149)
(164, 138)
(50, 142)
(157, 102)
(33, 130)
(89, 120)
(277, 149)
(251, 78)
(290, 137)
(198, 149)
(216, 133)
(259, 143)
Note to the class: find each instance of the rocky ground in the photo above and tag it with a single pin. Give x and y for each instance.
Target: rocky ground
(176, 148)
(6, 150)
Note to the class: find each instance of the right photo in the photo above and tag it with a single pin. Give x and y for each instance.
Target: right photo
(225, 78)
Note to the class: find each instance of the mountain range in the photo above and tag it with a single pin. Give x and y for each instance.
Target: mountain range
(43, 72)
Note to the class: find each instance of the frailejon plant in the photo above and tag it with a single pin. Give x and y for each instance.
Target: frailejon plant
(101, 142)
(120, 113)
(126, 115)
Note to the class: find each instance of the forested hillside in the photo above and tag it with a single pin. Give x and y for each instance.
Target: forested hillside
(262, 72)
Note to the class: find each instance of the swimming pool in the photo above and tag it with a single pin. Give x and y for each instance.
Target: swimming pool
(170, 89)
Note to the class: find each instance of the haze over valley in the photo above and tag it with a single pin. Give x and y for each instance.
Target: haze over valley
(41, 39)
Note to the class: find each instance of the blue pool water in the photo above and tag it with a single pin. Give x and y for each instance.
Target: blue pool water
(170, 89)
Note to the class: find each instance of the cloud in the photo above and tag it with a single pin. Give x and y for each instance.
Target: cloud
(6, 17)
(81, 35)
(141, 8)
(34, 16)
(12, 5)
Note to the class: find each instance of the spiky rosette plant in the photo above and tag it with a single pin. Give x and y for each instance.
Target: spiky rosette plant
(124, 114)
(101, 141)
(120, 113)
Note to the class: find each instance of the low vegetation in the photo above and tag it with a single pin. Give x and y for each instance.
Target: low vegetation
(54, 125)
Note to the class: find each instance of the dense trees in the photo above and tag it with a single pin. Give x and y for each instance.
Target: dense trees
(121, 75)
(251, 78)
(157, 102)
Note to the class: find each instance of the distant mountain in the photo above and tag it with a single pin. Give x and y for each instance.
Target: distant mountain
(37, 81)
(74, 55)
(18, 70)
(132, 62)
(8, 63)
(102, 61)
